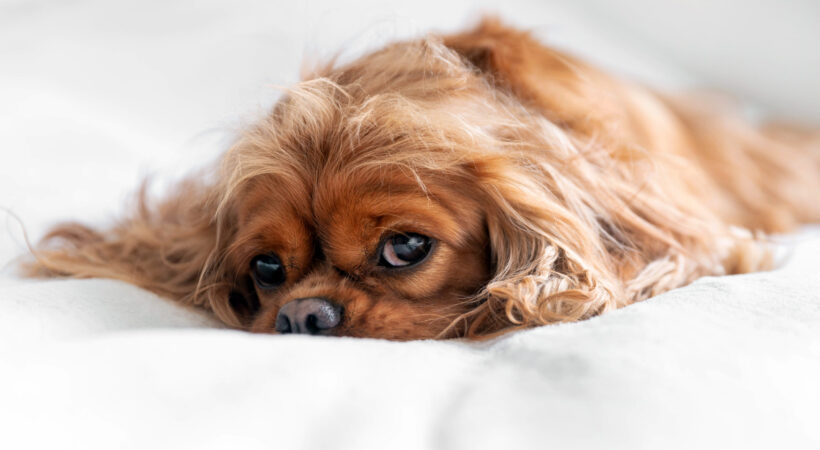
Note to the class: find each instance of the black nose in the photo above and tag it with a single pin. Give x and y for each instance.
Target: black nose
(312, 315)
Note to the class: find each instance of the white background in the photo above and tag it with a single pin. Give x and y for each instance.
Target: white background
(96, 95)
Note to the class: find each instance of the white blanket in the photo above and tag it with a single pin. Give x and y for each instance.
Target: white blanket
(98, 94)
(730, 362)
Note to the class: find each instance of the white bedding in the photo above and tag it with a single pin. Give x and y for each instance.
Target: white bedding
(728, 362)
(98, 94)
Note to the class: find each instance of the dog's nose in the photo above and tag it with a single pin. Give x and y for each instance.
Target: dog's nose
(311, 315)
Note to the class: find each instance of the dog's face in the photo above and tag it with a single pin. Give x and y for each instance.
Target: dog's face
(361, 254)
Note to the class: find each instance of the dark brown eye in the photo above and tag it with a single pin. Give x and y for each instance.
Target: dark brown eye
(401, 250)
(268, 271)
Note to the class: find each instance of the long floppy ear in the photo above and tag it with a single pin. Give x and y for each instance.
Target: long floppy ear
(174, 247)
(574, 229)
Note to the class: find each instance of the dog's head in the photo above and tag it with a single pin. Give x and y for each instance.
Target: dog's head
(435, 188)
(392, 196)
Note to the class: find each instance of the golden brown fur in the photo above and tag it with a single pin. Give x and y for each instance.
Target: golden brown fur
(553, 191)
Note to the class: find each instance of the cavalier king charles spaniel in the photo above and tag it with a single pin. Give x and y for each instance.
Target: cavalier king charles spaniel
(459, 186)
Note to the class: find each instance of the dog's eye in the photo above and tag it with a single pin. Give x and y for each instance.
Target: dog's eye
(268, 271)
(402, 250)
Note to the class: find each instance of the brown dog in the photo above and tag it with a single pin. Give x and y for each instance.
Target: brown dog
(462, 185)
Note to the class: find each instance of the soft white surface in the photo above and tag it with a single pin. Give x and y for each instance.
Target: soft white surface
(723, 363)
(97, 94)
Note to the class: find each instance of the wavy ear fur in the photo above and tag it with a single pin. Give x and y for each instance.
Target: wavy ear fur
(174, 247)
(595, 217)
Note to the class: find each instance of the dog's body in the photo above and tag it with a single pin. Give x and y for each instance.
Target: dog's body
(460, 186)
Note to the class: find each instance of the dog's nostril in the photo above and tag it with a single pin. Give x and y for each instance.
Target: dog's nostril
(283, 324)
(312, 315)
(312, 324)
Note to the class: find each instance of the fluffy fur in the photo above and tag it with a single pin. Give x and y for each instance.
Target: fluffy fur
(554, 192)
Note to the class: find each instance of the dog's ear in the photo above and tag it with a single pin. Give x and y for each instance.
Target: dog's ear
(549, 264)
(572, 243)
(174, 247)
(570, 234)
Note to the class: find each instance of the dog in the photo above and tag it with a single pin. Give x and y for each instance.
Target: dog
(461, 185)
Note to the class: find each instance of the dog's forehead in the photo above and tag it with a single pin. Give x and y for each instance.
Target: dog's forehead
(337, 197)
(354, 199)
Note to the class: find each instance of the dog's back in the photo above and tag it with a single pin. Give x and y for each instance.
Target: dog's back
(758, 177)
